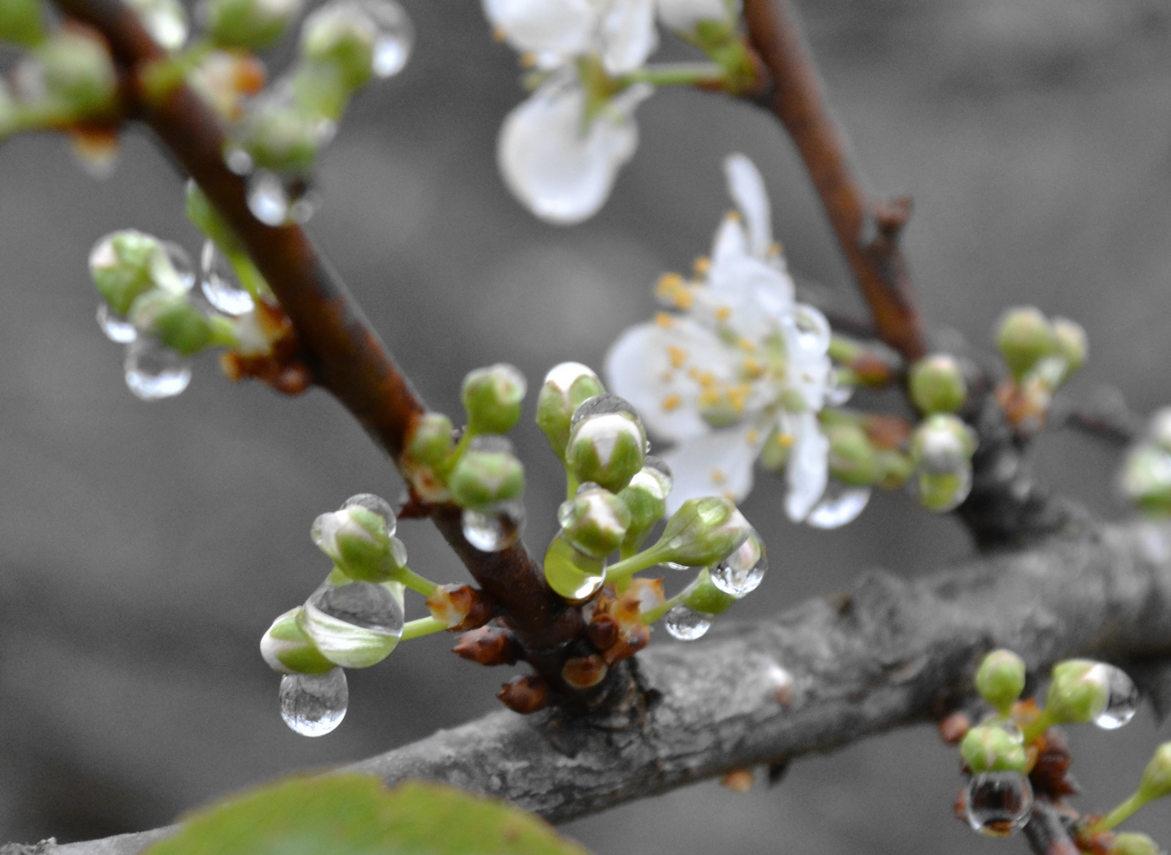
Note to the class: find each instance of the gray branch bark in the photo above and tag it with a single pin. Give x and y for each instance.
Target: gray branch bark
(822, 675)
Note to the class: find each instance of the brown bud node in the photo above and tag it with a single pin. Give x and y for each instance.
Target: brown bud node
(584, 672)
(488, 645)
(459, 606)
(952, 728)
(738, 780)
(524, 695)
(602, 631)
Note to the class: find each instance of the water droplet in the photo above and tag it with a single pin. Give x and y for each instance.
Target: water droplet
(154, 372)
(572, 575)
(1121, 696)
(116, 328)
(219, 283)
(375, 504)
(839, 505)
(676, 566)
(178, 273)
(602, 405)
(997, 804)
(355, 625)
(361, 604)
(314, 704)
(165, 20)
(838, 391)
(686, 624)
(395, 39)
(238, 160)
(496, 529)
(1008, 725)
(811, 332)
(267, 199)
(742, 572)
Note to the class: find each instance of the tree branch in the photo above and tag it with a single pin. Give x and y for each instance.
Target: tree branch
(825, 674)
(867, 229)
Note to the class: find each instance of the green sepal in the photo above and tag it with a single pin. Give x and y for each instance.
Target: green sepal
(988, 748)
(172, 319)
(572, 575)
(1000, 679)
(287, 648)
(128, 267)
(702, 532)
(556, 404)
(334, 39)
(492, 398)
(703, 596)
(78, 72)
(1024, 337)
(1074, 696)
(247, 24)
(937, 385)
(430, 441)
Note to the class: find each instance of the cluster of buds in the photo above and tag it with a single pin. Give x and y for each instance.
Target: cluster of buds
(1041, 355)
(1146, 473)
(356, 617)
(1014, 751)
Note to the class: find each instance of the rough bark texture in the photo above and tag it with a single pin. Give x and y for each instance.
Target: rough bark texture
(824, 674)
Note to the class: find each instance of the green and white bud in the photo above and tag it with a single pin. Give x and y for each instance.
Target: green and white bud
(492, 398)
(940, 492)
(1133, 843)
(991, 748)
(1000, 679)
(594, 521)
(567, 386)
(355, 625)
(247, 24)
(340, 37)
(126, 264)
(431, 442)
(1072, 344)
(287, 649)
(645, 498)
(359, 538)
(942, 443)
(703, 531)
(1024, 337)
(22, 21)
(173, 320)
(486, 475)
(704, 597)
(1156, 780)
(571, 574)
(1078, 692)
(281, 136)
(76, 71)
(852, 459)
(1160, 429)
(937, 384)
(1146, 478)
(607, 448)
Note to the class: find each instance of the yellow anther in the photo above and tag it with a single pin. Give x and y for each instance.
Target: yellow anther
(701, 265)
(746, 344)
(752, 368)
(738, 397)
(498, 34)
(752, 437)
(718, 477)
(683, 299)
(734, 216)
(730, 496)
(723, 313)
(671, 402)
(785, 440)
(706, 379)
(664, 320)
(775, 249)
(676, 355)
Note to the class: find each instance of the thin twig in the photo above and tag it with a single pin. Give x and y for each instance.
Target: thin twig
(1046, 832)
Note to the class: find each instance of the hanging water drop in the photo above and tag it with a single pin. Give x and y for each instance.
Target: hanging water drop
(314, 704)
(686, 624)
(1121, 696)
(219, 283)
(742, 572)
(374, 504)
(997, 804)
(267, 199)
(117, 329)
(395, 36)
(237, 159)
(177, 273)
(355, 625)
(494, 529)
(154, 372)
(838, 506)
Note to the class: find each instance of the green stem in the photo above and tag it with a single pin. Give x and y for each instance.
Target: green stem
(418, 584)
(619, 574)
(1040, 724)
(571, 485)
(163, 76)
(250, 278)
(19, 118)
(654, 615)
(1120, 814)
(223, 332)
(422, 626)
(677, 74)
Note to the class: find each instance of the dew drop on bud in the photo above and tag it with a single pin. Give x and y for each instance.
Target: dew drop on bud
(604, 405)
(219, 283)
(314, 704)
(686, 624)
(997, 804)
(179, 275)
(276, 200)
(1121, 696)
(238, 160)
(742, 572)
(374, 504)
(494, 529)
(154, 372)
(116, 329)
(395, 38)
(362, 604)
(840, 505)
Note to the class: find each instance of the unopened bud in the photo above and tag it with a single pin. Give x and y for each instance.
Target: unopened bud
(289, 650)
(990, 748)
(1024, 336)
(247, 24)
(937, 384)
(1078, 692)
(940, 492)
(360, 539)
(22, 21)
(584, 672)
(567, 386)
(852, 459)
(1156, 780)
(488, 645)
(492, 398)
(1000, 679)
(524, 695)
(942, 443)
(486, 475)
(280, 136)
(1146, 478)
(126, 264)
(703, 531)
(704, 597)
(1072, 344)
(1133, 843)
(607, 443)
(342, 37)
(645, 498)
(172, 319)
(594, 521)
(77, 71)
(354, 625)
(430, 441)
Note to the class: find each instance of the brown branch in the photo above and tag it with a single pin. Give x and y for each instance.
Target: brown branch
(867, 229)
(1047, 832)
(826, 673)
(345, 354)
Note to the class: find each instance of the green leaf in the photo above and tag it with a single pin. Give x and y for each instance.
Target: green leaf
(357, 815)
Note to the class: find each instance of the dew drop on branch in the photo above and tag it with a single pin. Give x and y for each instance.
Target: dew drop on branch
(495, 529)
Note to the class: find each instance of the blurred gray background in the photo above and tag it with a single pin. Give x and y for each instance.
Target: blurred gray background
(144, 548)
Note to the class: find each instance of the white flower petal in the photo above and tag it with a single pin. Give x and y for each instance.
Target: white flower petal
(628, 35)
(563, 28)
(746, 186)
(560, 170)
(717, 464)
(758, 295)
(808, 469)
(683, 15)
(640, 367)
(730, 243)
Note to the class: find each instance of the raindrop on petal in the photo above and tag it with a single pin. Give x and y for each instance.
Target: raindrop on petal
(314, 704)
(997, 804)
(154, 372)
(838, 506)
(377, 505)
(686, 624)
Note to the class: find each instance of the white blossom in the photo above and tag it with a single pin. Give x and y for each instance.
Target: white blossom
(737, 364)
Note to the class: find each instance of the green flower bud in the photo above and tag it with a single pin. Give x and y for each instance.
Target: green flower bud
(280, 136)
(896, 469)
(574, 576)
(126, 264)
(360, 539)
(594, 521)
(940, 492)
(852, 459)
(486, 475)
(247, 24)
(990, 748)
(1000, 679)
(608, 448)
(1156, 780)
(491, 398)
(1078, 692)
(77, 71)
(287, 649)
(340, 37)
(22, 21)
(937, 384)
(1146, 478)
(1024, 337)
(1072, 345)
(431, 439)
(567, 386)
(942, 443)
(173, 320)
(1133, 843)
(703, 531)
(355, 625)
(704, 597)
(645, 498)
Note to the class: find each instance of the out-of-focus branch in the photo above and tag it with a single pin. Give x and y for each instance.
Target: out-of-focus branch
(1046, 832)
(867, 229)
(824, 674)
(346, 355)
